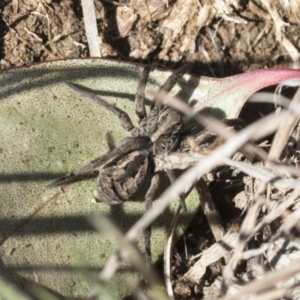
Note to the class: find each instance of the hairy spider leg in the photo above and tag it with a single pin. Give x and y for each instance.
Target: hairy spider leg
(172, 80)
(140, 109)
(150, 195)
(128, 145)
(123, 116)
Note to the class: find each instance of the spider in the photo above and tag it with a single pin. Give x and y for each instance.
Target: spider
(125, 167)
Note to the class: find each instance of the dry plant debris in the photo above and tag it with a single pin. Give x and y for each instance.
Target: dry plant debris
(228, 36)
(38, 31)
(258, 257)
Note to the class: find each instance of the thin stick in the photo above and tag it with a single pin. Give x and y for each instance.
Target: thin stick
(91, 30)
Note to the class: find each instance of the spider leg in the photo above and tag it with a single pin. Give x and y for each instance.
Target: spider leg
(123, 116)
(155, 182)
(172, 80)
(169, 121)
(129, 144)
(140, 94)
(83, 171)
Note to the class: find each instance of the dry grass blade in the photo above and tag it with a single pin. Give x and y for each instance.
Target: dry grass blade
(270, 295)
(211, 255)
(168, 253)
(177, 160)
(265, 97)
(130, 252)
(270, 280)
(185, 160)
(284, 131)
(264, 174)
(289, 222)
(247, 230)
(91, 30)
(31, 216)
(278, 210)
(210, 211)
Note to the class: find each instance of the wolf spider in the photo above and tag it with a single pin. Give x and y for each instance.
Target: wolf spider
(125, 168)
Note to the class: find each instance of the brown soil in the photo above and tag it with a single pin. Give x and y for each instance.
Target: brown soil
(220, 37)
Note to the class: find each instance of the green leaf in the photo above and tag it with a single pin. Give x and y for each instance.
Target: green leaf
(46, 131)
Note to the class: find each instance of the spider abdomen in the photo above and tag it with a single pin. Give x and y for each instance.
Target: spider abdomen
(118, 183)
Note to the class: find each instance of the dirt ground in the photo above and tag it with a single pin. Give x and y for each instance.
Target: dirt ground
(220, 38)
